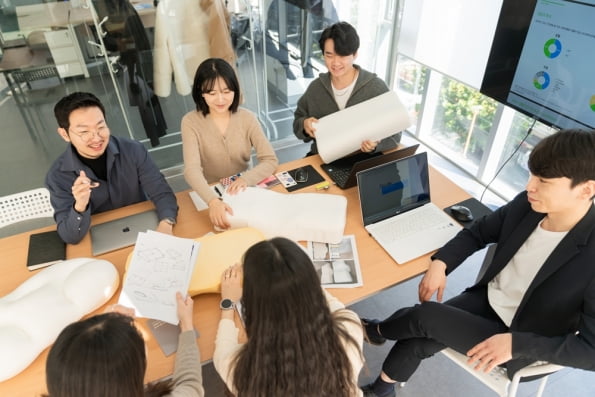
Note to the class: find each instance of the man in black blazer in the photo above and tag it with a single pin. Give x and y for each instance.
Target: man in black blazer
(536, 300)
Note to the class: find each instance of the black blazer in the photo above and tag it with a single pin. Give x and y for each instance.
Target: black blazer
(555, 320)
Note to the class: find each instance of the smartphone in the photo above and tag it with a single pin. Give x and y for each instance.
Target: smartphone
(286, 179)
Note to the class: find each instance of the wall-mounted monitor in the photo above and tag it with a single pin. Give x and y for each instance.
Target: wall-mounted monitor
(542, 61)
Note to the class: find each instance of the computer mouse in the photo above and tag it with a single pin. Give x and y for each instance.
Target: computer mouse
(461, 213)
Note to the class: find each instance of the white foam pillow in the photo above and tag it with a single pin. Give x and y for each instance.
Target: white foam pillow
(297, 216)
(33, 315)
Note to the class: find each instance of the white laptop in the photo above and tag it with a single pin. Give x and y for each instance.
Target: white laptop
(120, 233)
(397, 211)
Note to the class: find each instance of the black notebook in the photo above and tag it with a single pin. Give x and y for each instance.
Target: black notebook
(45, 249)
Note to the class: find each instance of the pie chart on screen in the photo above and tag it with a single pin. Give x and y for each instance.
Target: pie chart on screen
(592, 104)
(541, 80)
(552, 48)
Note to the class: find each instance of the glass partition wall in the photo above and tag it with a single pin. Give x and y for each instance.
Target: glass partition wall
(101, 46)
(112, 47)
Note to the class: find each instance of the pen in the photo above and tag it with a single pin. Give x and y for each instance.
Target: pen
(218, 192)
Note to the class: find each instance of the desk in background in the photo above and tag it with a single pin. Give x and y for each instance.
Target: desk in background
(63, 13)
(25, 65)
(379, 271)
(63, 43)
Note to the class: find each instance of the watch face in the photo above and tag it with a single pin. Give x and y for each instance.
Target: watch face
(226, 304)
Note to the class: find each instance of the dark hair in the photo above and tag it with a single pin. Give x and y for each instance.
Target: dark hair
(204, 81)
(103, 355)
(567, 153)
(72, 102)
(344, 37)
(294, 342)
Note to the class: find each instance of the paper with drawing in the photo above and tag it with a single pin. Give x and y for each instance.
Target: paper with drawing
(161, 265)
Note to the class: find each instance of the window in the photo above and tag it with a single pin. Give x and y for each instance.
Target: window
(473, 131)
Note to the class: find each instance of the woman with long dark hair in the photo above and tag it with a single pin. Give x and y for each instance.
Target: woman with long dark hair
(104, 355)
(301, 341)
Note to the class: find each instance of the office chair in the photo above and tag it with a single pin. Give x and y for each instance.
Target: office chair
(24, 211)
(497, 379)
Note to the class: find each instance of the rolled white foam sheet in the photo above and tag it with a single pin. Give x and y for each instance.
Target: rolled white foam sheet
(342, 132)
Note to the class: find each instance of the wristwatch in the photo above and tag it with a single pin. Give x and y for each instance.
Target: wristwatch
(227, 304)
(170, 221)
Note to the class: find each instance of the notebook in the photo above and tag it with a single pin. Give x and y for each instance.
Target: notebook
(120, 233)
(343, 171)
(397, 211)
(45, 249)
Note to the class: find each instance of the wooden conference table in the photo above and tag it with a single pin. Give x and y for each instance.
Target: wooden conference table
(379, 271)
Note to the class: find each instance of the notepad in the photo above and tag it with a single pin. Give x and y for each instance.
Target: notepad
(45, 249)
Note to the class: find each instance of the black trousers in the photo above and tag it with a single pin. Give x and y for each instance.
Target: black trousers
(424, 329)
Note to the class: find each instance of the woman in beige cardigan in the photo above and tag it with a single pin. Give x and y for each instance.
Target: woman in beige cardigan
(218, 138)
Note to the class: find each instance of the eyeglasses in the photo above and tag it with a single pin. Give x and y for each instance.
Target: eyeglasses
(86, 136)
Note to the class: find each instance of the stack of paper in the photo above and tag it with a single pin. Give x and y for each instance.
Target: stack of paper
(161, 265)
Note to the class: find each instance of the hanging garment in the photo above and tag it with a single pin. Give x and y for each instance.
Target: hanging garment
(186, 33)
(181, 44)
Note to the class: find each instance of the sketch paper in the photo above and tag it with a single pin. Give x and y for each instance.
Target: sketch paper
(161, 265)
(337, 265)
(342, 132)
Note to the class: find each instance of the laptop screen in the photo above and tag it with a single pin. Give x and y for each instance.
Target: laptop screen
(393, 188)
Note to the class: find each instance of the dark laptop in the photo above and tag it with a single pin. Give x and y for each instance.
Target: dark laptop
(343, 171)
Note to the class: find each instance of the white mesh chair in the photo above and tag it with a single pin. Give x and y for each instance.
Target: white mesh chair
(497, 379)
(25, 211)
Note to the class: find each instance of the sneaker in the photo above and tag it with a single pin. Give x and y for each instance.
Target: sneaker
(371, 334)
(369, 391)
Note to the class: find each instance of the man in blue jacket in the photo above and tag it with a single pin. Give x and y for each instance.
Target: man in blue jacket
(536, 300)
(99, 172)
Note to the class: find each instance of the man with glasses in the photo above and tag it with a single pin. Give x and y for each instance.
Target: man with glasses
(99, 172)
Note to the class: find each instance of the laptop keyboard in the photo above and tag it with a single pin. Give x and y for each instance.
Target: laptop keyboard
(409, 223)
(340, 176)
